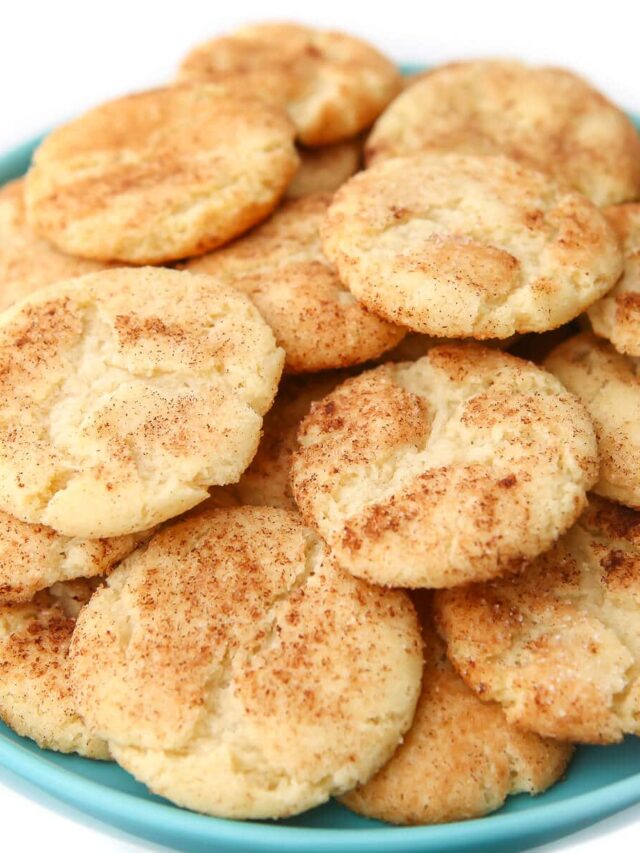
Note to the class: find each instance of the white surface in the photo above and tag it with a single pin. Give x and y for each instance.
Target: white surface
(28, 826)
(57, 58)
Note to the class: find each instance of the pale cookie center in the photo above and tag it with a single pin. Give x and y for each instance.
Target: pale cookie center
(512, 443)
(89, 422)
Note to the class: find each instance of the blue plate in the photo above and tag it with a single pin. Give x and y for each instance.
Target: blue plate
(600, 782)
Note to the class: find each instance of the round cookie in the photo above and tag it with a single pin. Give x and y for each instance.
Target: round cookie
(457, 467)
(281, 266)
(35, 695)
(453, 245)
(558, 646)
(617, 315)
(235, 670)
(34, 557)
(608, 384)
(460, 759)
(266, 480)
(26, 261)
(126, 394)
(547, 118)
(325, 169)
(331, 84)
(160, 175)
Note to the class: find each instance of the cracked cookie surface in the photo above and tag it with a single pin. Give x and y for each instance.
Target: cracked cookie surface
(234, 669)
(548, 118)
(608, 384)
(35, 692)
(558, 646)
(452, 468)
(454, 245)
(281, 266)
(127, 393)
(160, 175)
(460, 759)
(331, 84)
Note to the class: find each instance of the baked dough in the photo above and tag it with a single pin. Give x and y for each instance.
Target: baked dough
(457, 467)
(235, 670)
(126, 395)
(457, 246)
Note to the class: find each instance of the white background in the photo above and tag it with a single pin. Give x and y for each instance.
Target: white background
(57, 58)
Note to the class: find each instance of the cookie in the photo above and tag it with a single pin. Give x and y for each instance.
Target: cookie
(26, 261)
(35, 696)
(460, 759)
(325, 169)
(331, 84)
(558, 646)
(315, 319)
(160, 175)
(236, 671)
(266, 480)
(457, 467)
(617, 315)
(608, 384)
(454, 245)
(547, 118)
(126, 394)
(34, 557)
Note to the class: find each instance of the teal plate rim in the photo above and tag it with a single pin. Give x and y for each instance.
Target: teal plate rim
(159, 821)
(520, 829)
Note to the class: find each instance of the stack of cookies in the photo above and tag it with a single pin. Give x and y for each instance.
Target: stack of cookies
(407, 575)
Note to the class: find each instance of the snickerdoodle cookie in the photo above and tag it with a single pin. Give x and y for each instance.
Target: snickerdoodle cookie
(617, 315)
(331, 84)
(460, 759)
(160, 175)
(547, 118)
(126, 394)
(558, 646)
(608, 384)
(281, 266)
(235, 670)
(35, 695)
(456, 245)
(457, 467)
(27, 262)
